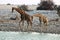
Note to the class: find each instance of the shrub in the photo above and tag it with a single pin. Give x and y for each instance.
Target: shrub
(24, 7)
(45, 5)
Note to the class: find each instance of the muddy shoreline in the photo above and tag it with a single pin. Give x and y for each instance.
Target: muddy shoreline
(53, 27)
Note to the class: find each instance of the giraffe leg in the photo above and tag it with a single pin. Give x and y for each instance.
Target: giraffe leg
(23, 23)
(30, 25)
(27, 24)
(20, 24)
(40, 21)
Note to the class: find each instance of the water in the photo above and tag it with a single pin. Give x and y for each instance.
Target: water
(49, 14)
(28, 36)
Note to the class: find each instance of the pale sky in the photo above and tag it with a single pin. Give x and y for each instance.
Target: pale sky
(27, 2)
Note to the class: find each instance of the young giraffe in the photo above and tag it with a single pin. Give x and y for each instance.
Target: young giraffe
(42, 18)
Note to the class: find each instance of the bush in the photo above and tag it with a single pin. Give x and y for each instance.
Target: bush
(24, 7)
(8, 4)
(45, 5)
(58, 10)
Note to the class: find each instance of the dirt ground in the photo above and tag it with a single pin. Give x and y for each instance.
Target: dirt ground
(13, 25)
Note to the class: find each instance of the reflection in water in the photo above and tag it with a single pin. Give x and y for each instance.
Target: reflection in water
(28, 36)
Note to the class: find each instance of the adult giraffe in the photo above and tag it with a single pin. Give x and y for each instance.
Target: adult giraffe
(24, 16)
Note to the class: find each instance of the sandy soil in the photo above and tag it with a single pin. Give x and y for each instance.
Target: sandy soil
(13, 25)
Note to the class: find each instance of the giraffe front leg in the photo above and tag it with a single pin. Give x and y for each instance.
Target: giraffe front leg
(30, 25)
(27, 25)
(23, 23)
(20, 25)
(40, 21)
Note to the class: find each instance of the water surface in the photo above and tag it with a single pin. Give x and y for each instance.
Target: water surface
(28, 36)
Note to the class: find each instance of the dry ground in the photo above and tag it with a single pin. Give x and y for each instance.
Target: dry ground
(13, 25)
